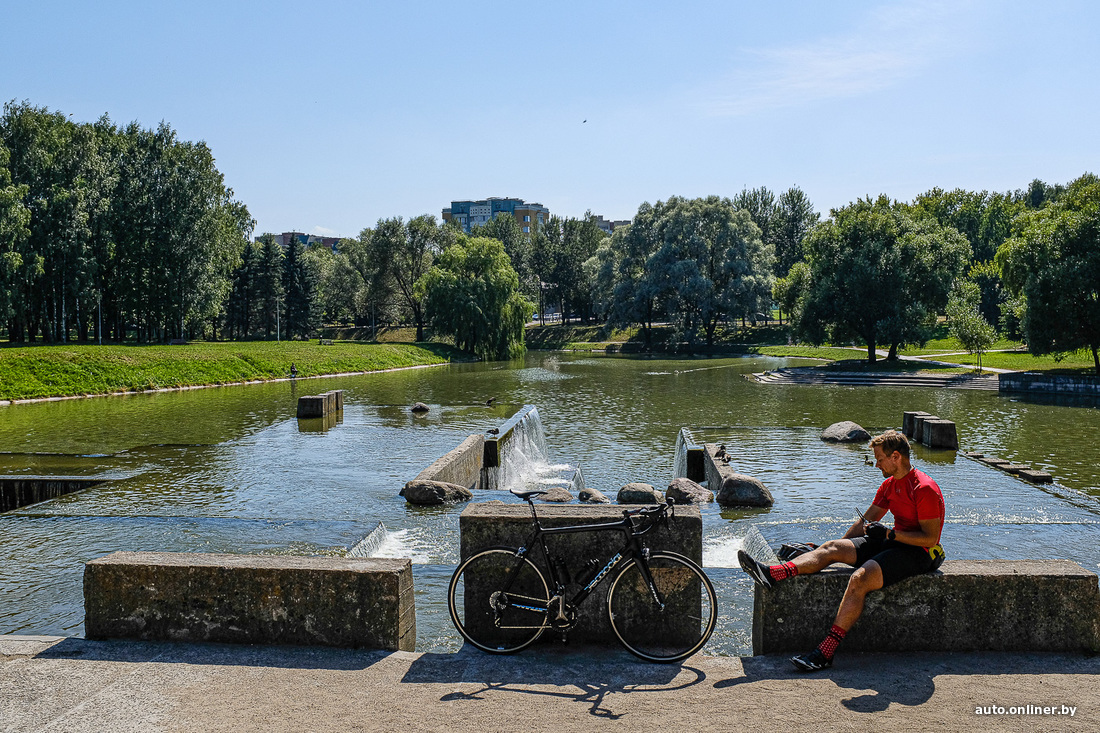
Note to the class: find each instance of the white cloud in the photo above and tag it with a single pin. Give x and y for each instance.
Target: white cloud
(319, 231)
(895, 43)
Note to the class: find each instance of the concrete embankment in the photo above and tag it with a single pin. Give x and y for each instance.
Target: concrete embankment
(49, 683)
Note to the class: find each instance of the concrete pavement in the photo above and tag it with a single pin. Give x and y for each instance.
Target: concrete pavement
(68, 684)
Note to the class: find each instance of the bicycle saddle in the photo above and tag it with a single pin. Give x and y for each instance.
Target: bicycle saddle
(525, 495)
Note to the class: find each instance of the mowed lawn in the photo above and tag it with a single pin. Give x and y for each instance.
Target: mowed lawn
(55, 371)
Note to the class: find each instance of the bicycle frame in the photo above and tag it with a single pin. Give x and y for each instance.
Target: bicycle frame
(632, 548)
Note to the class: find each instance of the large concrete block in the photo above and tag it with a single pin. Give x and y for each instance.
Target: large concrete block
(967, 605)
(918, 426)
(310, 406)
(940, 434)
(909, 421)
(251, 599)
(489, 525)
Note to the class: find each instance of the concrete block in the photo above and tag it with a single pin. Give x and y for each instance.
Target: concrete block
(995, 462)
(251, 599)
(918, 426)
(1036, 477)
(939, 434)
(337, 398)
(967, 605)
(908, 421)
(1014, 468)
(488, 525)
(310, 406)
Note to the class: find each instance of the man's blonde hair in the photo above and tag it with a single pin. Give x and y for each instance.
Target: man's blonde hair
(891, 441)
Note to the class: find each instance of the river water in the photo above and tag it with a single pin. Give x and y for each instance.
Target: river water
(230, 469)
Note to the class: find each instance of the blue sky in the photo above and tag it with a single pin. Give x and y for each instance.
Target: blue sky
(326, 116)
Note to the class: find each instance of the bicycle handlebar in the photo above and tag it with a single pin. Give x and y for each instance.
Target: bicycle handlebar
(655, 514)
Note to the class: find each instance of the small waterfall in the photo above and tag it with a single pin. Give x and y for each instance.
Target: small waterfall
(369, 545)
(522, 459)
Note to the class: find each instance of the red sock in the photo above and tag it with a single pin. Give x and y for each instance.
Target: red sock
(831, 641)
(782, 572)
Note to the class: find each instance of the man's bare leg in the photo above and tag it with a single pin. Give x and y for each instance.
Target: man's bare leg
(866, 578)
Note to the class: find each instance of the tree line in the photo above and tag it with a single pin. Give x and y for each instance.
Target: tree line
(124, 233)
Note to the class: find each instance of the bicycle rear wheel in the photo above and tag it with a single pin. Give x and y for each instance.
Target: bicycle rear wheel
(673, 632)
(493, 619)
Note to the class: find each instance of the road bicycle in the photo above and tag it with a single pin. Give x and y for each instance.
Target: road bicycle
(660, 604)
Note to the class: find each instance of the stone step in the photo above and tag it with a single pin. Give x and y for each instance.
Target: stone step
(952, 382)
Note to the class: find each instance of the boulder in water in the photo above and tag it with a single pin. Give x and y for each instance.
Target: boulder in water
(419, 407)
(639, 493)
(741, 490)
(592, 496)
(686, 491)
(845, 432)
(557, 494)
(419, 491)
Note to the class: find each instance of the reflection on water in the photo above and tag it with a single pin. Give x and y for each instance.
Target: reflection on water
(230, 470)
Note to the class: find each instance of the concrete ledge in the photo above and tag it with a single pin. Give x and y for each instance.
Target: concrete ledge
(1049, 383)
(460, 466)
(20, 491)
(967, 605)
(251, 599)
(489, 525)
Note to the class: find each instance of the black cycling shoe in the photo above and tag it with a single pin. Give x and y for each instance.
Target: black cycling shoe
(811, 662)
(758, 572)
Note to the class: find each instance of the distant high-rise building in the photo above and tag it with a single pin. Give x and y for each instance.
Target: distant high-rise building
(309, 240)
(608, 226)
(479, 213)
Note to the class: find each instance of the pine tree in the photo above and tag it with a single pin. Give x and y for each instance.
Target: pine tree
(302, 306)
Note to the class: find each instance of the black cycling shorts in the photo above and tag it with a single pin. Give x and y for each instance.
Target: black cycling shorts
(897, 559)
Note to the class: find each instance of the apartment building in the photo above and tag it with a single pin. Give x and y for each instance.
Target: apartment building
(478, 213)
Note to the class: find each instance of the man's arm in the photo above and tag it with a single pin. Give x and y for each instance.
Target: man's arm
(928, 536)
(873, 514)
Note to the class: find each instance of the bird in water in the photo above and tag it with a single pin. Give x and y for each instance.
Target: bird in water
(490, 401)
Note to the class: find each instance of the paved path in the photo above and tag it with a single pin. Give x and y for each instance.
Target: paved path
(55, 684)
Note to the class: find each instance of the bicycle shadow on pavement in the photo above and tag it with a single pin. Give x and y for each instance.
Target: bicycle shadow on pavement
(588, 677)
(907, 679)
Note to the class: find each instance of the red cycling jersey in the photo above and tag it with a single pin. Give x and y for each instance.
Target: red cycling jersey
(910, 499)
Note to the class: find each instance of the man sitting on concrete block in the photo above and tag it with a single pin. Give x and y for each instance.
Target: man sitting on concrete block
(882, 556)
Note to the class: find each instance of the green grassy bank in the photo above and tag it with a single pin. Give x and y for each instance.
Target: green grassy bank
(57, 371)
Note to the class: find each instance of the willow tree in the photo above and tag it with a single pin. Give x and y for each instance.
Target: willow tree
(472, 293)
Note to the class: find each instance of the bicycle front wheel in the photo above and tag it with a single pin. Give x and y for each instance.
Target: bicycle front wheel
(498, 601)
(665, 633)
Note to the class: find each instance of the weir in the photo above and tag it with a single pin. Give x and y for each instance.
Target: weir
(516, 456)
(17, 492)
(370, 543)
(688, 460)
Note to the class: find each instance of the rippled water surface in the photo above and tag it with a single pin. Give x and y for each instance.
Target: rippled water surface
(231, 470)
